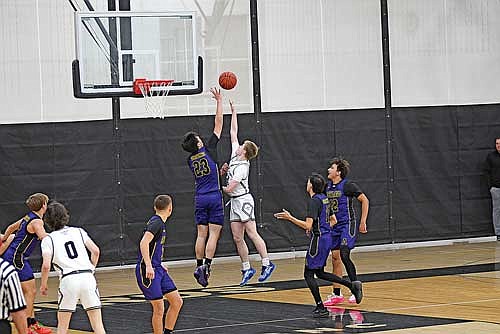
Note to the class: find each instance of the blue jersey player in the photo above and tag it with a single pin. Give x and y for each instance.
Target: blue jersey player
(153, 279)
(317, 223)
(28, 230)
(341, 193)
(209, 208)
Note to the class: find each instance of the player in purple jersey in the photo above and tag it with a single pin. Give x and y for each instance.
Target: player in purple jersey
(28, 231)
(209, 208)
(317, 223)
(341, 192)
(153, 279)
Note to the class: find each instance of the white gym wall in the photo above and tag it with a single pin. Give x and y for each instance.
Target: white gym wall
(314, 55)
(444, 52)
(38, 47)
(317, 55)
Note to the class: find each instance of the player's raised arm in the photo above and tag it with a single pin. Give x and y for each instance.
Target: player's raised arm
(219, 119)
(234, 124)
(11, 229)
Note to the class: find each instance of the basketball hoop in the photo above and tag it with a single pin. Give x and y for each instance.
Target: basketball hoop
(155, 94)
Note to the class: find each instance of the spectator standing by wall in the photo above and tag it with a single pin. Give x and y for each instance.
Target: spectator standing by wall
(493, 170)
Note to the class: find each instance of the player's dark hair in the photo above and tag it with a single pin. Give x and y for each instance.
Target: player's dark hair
(162, 202)
(36, 201)
(56, 216)
(343, 166)
(190, 142)
(318, 183)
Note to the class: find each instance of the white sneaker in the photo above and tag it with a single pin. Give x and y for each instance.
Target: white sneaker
(352, 300)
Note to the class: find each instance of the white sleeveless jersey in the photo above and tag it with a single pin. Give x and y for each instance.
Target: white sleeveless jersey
(67, 248)
(238, 171)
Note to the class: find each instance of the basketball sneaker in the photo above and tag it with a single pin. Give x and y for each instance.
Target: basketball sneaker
(333, 300)
(247, 275)
(357, 291)
(321, 312)
(356, 316)
(38, 328)
(266, 272)
(201, 276)
(352, 299)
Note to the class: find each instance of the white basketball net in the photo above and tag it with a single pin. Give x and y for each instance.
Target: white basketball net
(155, 97)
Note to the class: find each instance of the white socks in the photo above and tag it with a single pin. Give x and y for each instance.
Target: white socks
(245, 265)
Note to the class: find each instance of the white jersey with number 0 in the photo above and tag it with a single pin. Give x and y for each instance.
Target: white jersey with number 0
(67, 248)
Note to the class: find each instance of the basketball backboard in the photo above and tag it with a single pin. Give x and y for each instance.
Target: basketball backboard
(114, 48)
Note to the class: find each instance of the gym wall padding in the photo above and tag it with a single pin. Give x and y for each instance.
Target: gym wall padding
(440, 191)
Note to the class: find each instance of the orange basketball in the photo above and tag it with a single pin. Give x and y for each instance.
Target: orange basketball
(227, 80)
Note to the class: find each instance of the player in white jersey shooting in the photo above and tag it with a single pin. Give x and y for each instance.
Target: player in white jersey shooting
(66, 248)
(242, 214)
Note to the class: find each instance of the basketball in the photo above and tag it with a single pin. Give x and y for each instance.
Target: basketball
(227, 80)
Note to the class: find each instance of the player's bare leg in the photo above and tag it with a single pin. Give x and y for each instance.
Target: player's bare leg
(63, 319)
(29, 291)
(95, 318)
(238, 231)
(202, 271)
(213, 238)
(157, 318)
(201, 240)
(267, 266)
(175, 304)
(259, 243)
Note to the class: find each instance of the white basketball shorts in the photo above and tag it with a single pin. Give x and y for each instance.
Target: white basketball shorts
(78, 287)
(242, 208)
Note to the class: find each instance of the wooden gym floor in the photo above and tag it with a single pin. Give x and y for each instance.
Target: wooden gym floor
(441, 289)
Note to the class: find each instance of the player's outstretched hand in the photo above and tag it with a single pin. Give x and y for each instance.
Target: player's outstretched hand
(283, 215)
(224, 169)
(216, 94)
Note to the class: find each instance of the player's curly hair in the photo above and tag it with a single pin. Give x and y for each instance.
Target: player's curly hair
(343, 166)
(190, 142)
(251, 149)
(57, 216)
(318, 183)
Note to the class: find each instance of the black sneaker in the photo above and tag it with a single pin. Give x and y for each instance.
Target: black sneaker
(321, 312)
(357, 291)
